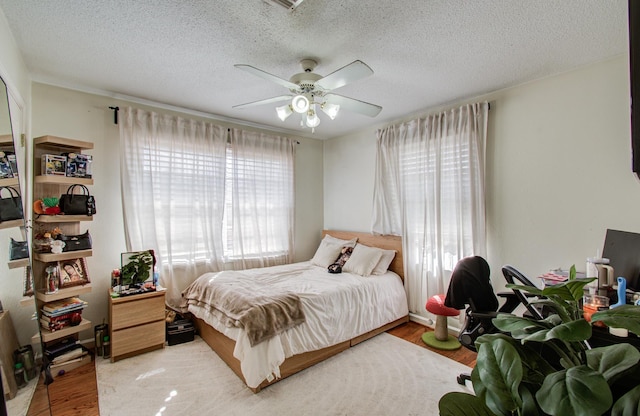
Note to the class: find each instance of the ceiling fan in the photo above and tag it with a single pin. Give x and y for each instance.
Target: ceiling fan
(310, 91)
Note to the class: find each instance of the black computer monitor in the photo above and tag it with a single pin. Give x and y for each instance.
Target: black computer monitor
(622, 248)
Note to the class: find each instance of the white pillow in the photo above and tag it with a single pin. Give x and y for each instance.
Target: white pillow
(362, 260)
(329, 250)
(385, 260)
(345, 243)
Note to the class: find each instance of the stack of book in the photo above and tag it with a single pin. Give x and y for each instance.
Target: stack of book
(62, 313)
(65, 354)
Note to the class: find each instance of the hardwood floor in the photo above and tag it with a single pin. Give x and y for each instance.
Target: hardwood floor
(72, 394)
(412, 332)
(76, 393)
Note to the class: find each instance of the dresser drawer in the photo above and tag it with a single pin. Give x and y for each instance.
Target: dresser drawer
(137, 338)
(134, 311)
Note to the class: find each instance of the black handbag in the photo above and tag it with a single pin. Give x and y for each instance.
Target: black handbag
(18, 250)
(75, 242)
(11, 207)
(77, 204)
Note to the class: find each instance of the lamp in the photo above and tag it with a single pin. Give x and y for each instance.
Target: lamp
(284, 111)
(307, 109)
(312, 118)
(330, 109)
(300, 104)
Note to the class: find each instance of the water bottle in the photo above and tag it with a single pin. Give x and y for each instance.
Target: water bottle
(20, 375)
(106, 347)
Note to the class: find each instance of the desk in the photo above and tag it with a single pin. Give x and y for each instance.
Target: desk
(601, 338)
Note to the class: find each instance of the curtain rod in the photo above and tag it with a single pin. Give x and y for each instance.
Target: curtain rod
(115, 114)
(229, 131)
(115, 118)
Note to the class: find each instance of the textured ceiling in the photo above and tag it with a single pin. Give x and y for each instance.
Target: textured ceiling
(424, 53)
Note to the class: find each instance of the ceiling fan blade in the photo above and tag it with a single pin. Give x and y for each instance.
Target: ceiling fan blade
(265, 75)
(354, 71)
(265, 101)
(351, 104)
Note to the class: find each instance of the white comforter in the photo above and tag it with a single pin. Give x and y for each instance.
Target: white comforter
(337, 307)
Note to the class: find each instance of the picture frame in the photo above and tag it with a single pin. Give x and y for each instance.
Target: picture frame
(73, 272)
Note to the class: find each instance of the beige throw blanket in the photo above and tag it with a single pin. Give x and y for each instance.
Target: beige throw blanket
(262, 310)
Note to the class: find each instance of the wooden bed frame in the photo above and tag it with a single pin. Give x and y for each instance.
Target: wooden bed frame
(224, 346)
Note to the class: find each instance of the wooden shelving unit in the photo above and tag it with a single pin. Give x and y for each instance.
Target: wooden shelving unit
(61, 180)
(51, 219)
(63, 293)
(48, 186)
(10, 182)
(11, 224)
(48, 336)
(14, 264)
(68, 255)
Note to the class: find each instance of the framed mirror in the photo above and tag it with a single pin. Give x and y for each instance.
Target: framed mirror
(19, 341)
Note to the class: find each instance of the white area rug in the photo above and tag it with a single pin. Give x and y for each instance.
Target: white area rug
(385, 375)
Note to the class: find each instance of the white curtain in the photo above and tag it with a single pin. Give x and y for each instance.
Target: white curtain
(198, 194)
(429, 188)
(260, 200)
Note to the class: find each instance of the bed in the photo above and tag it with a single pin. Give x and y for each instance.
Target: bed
(327, 328)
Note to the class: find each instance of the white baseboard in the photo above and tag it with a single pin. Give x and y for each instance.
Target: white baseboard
(428, 322)
(422, 320)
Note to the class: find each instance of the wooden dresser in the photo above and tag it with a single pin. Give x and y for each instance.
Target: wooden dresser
(136, 324)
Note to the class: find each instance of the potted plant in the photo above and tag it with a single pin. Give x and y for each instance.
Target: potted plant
(545, 367)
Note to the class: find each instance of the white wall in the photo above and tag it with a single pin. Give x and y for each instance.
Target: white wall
(77, 115)
(558, 170)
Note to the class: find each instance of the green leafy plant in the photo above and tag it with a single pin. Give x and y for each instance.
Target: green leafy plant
(137, 269)
(546, 367)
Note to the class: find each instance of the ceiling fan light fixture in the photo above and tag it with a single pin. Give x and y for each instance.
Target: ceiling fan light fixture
(330, 109)
(284, 111)
(312, 119)
(300, 104)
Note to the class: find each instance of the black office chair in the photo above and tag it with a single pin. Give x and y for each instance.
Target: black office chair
(470, 285)
(511, 275)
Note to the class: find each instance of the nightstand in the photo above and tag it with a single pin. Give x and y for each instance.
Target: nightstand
(136, 324)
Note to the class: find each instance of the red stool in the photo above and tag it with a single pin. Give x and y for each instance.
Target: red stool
(440, 338)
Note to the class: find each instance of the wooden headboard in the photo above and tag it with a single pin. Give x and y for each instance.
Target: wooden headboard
(387, 242)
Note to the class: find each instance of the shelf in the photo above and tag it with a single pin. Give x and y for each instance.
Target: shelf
(53, 141)
(68, 255)
(63, 293)
(62, 180)
(64, 368)
(6, 140)
(10, 182)
(49, 219)
(10, 224)
(14, 264)
(26, 301)
(48, 336)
